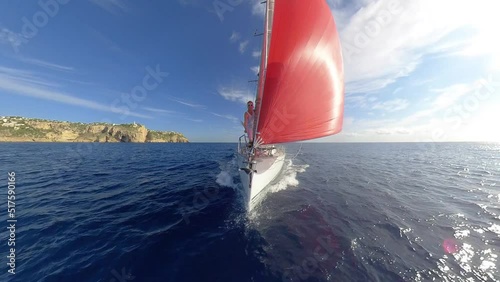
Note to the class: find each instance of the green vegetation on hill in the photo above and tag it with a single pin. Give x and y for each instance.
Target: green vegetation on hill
(16, 128)
(23, 131)
(165, 136)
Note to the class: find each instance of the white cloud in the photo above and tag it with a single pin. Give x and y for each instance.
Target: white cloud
(392, 105)
(362, 101)
(445, 99)
(397, 90)
(255, 69)
(459, 112)
(186, 103)
(256, 54)
(26, 77)
(387, 39)
(194, 120)
(243, 46)
(46, 64)
(258, 8)
(27, 84)
(236, 95)
(229, 117)
(12, 38)
(156, 110)
(447, 96)
(235, 36)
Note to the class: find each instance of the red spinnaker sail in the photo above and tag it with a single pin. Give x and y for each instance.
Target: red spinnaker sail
(301, 84)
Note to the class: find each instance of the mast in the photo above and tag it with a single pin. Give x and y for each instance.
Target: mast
(263, 66)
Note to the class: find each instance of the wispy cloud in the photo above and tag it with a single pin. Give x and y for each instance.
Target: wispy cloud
(194, 119)
(452, 113)
(243, 46)
(397, 90)
(258, 8)
(45, 64)
(387, 40)
(256, 54)
(234, 37)
(112, 6)
(28, 84)
(186, 103)
(10, 37)
(27, 77)
(391, 131)
(445, 98)
(255, 69)
(448, 96)
(156, 110)
(236, 95)
(229, 117)
(392, 105)
(363, 101)
(82, 82)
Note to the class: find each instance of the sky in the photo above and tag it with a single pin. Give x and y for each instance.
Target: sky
(415, 71)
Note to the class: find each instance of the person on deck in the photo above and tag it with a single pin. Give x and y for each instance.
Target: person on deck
(249, 121)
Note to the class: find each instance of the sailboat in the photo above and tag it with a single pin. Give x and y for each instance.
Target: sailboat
(300, 92)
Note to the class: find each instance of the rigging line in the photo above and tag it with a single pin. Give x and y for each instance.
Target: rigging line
(298, 152)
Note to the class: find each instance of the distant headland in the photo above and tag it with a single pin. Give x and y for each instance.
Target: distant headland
(21, 129)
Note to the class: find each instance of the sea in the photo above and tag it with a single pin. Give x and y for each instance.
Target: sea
(175, 212)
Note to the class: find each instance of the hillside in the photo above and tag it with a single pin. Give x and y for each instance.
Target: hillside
(20, 129)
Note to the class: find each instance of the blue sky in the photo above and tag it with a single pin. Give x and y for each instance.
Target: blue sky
(415, 70)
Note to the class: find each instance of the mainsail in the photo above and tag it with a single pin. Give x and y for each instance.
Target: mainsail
(301, 85)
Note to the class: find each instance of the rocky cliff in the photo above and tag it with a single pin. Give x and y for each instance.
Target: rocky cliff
(19, 129)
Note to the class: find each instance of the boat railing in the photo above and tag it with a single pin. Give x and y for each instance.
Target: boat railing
(243, 145)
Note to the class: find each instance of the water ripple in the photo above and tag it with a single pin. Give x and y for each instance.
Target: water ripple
(174, 212)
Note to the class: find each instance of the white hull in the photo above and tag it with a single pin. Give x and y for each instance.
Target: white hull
(259, 173)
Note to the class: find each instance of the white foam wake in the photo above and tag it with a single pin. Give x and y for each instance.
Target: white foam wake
(225, 179)
(288, 177)
(229, 170)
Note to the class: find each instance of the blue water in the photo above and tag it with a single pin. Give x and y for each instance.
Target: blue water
(174, 212)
